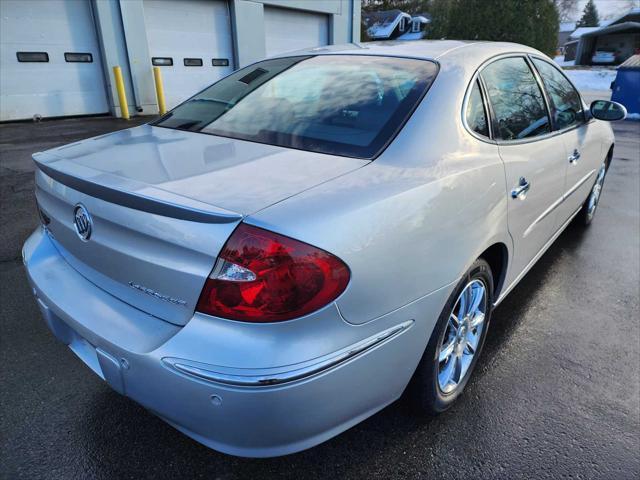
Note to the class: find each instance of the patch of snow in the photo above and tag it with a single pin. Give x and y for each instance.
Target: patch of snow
(578, 32)
(591, 79)
(411, 36)
(561, 61)
(384, 23)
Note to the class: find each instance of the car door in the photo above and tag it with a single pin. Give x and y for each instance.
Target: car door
(534, 158)
(583, 155)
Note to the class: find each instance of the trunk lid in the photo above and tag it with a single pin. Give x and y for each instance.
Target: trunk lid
(162, 204)
(234, 175)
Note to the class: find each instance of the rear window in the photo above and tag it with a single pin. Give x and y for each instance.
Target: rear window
(338, 104)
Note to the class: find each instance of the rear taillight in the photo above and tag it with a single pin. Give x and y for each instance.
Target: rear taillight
(261, 276)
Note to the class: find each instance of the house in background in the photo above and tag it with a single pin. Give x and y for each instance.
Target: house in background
(565, 30)
(395, 25)
(571, 45)
(620, 36)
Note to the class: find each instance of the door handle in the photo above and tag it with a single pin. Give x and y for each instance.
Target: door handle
(520, 192)
(574, 157)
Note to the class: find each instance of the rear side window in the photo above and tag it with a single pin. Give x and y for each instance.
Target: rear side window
(516, 99)
(347, 105)
(566, 106)
(475, 114)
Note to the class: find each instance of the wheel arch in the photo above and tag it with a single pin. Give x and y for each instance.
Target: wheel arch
(497, 256)
(609, 156)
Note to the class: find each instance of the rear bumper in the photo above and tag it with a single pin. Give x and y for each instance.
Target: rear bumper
(323, 374)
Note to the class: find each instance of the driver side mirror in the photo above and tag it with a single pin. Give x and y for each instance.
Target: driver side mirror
(608, 111)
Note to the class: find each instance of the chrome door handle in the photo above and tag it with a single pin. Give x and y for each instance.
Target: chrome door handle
(520, 192)
(574, 157)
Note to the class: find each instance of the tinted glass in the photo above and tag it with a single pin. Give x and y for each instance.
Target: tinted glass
(566, 106)
(162, 61)
(192, 62)
(476, 117)
(32, 56)
(78, 57)
(516, 99)
(338, 104)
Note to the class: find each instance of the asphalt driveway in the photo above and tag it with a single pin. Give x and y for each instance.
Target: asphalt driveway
(556, 393)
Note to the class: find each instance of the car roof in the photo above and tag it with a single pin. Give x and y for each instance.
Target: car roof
(425, 49)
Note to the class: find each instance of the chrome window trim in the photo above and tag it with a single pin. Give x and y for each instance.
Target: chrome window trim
(585, 107)
(543, 90)
(522, 55)
(476, 78)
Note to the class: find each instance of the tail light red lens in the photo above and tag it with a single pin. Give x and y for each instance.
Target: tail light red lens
(261, 276)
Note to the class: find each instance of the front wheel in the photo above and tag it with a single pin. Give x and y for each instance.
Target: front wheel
(591, 204)
(456, 342)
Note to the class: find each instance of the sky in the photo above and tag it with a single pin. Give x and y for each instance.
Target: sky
(607, 9)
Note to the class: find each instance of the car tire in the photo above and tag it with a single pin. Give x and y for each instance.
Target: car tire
(590, 205)
(426, 393)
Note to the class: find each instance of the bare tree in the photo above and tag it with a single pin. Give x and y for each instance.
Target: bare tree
(566, 9)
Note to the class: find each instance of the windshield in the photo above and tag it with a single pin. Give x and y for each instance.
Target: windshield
(339, 104)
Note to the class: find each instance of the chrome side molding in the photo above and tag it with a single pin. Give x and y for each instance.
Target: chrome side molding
(578, 184)
(557, 203)
(277, 377)
(533, 261)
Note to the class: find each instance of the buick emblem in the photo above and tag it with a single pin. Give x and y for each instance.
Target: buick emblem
(82, 221)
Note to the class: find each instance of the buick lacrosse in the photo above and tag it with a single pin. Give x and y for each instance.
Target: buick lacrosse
(288, 251)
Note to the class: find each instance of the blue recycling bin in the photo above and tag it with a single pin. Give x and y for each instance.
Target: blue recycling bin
(626, 86)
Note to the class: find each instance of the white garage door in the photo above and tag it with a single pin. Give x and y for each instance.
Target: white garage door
(191, 41)
(287, 30)
(49, 60)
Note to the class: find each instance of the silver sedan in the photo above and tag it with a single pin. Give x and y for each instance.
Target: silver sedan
(288, 251)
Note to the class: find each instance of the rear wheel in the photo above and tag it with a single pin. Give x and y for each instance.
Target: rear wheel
(591, 204)
(455, 343)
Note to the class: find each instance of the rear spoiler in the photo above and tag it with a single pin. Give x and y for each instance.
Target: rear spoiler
(136, 201)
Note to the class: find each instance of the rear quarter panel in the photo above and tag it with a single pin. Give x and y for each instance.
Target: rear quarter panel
(412, 221)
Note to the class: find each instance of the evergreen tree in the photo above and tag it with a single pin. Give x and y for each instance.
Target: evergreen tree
(590, 16)
(530, 22)
(411, 7)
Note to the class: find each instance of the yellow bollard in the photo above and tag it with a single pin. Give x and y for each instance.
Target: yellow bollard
(157, 75)
(122, 96)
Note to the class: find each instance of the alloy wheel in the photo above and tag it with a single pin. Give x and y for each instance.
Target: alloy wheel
(594, 196)
(462, 336)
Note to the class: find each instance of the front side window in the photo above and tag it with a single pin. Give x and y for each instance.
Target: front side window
(566, 106)
(346, 105)
(475, 114)
(516, 99)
